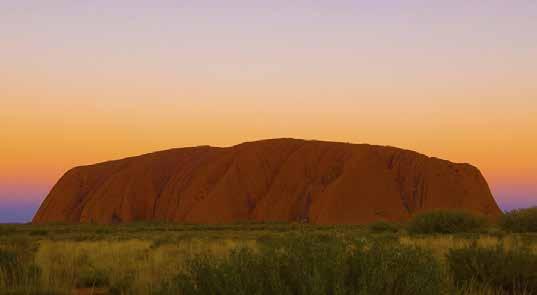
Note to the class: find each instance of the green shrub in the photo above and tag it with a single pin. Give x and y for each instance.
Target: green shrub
(395, 269)
(103, 231)
(38, 232)
(520, 220)
(510, 271)
(312, 265)
(6, 230)
(383, 226)
(301, 266)
(446, 221)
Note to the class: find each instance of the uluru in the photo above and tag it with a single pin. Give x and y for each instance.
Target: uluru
(283, 180)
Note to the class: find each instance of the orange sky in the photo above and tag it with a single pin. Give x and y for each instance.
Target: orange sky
(82, 83)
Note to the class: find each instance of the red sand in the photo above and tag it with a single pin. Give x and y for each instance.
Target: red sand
(269, 180)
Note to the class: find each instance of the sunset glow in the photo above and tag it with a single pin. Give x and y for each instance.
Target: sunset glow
(89, 81)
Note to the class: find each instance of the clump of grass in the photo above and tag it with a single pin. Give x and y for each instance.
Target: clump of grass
(311, 265)
(124, 284)
(68, 265)
(479, 289)
(520, 220)
(18, 273)
(103, 231)
(446, 222)
(395, 269)
(91, 277)
(38, 232)
(10, 268)
(511, 271)
(384, 226)
(6, 230)
(121, 267)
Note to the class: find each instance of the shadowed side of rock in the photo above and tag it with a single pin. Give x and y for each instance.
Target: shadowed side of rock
(269, 180)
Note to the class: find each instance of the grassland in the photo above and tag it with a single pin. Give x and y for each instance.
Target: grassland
(262, 259)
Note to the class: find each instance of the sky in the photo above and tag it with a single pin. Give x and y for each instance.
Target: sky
(88, 81)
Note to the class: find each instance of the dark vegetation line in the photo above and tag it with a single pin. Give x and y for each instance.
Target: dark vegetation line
(285, 258)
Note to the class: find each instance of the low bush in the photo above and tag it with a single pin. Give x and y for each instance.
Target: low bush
(446, 222)
(103, 231)
(312, 266)
(383, 226)
(6, 230)
(520, 220)
(512, 271)
(394, 269)
(38, 232)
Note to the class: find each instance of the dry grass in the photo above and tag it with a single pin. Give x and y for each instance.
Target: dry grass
(137, 259)
(479, 290)
(133, 264)
(440, 244)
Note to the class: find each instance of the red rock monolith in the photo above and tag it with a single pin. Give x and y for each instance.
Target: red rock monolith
(269, 180)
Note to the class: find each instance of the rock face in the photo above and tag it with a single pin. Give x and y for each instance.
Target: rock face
(269, 180)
